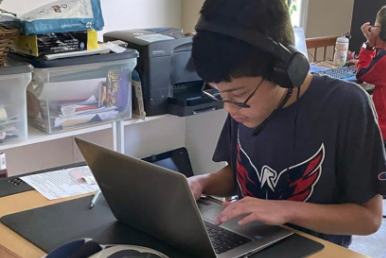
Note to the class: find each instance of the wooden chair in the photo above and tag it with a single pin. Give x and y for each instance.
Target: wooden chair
(326, 44)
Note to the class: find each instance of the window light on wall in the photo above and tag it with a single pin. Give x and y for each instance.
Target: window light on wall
(298, 10)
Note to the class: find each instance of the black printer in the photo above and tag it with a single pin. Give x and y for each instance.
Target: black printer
(170, 83)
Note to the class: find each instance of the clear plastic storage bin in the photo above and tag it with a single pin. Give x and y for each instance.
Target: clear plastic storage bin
(75, 92)
(13, 104)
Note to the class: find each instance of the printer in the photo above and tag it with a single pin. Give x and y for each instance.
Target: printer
(170, 84)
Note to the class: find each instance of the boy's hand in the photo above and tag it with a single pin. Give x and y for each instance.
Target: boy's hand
(195, 186)
(370, 33)
(269, 212)
(352, 62)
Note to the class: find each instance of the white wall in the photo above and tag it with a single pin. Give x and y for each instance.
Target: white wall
(326, 17)
(154, 137)
(202, 133)
(190, 13)
(120, 14)
(129, 14)
(53, 153)
(22, 6)
(329, 17)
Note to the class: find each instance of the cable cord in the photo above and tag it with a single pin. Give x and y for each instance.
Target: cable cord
(258, 129)
(294, 130)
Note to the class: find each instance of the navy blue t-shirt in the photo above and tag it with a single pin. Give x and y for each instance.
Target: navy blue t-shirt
(326, 148)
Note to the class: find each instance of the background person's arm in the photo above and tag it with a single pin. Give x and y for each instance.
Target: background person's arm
(371, 68)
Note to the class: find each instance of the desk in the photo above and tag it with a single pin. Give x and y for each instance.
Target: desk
(14, 246)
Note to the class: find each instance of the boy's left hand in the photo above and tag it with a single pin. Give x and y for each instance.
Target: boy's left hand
(370, 32)
(269, 212)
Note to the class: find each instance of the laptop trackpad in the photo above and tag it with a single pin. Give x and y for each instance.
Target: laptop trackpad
(255, 230)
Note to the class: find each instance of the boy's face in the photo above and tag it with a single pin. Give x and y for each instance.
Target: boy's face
(375, 31)
(261, 103)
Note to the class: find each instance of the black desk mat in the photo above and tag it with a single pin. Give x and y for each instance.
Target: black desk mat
(51, 226)
(13, 185)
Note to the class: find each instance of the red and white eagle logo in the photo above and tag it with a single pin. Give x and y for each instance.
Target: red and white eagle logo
(295, 183)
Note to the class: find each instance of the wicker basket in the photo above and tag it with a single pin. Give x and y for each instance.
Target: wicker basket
(8, 35)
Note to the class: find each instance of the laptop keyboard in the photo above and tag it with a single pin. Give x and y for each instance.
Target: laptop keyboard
(338, 73)
(224, 240)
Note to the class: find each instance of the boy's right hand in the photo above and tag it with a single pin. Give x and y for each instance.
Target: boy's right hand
(195, 186)
(369, 32)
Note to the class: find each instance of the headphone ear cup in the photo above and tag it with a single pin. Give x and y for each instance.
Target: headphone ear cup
(382, 34)
(279, 75)
(293, 73)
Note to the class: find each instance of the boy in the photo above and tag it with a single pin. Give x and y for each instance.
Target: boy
(311, 156)
(372, 64)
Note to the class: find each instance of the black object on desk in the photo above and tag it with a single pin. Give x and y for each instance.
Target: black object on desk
(51, 226)
(170, 83)
(14, 185)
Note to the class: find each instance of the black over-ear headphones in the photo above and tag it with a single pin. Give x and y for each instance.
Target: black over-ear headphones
(291, 67)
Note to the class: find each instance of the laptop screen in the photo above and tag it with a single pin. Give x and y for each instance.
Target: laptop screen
(176, 160)
(300, 41)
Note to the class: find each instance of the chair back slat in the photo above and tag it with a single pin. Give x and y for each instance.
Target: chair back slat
(323, 48)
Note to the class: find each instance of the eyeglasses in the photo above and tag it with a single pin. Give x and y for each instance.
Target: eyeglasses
(215, 95)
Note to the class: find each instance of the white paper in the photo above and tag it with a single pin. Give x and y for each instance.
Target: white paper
(154, 37)
(90, 180)
(61, 10)
(108, 115)
(115, 47)
(71, 90)
(72, 121)
(90, 101)
(86, 116)
(62, 183)
(100, 50)
(96, 110)
(3, 114)
(70, 109)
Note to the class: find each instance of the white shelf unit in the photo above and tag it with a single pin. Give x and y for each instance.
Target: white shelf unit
(202, 134)
(42, 150)
(156, 134)
(135, 137)
(37, 136)
(198, 133)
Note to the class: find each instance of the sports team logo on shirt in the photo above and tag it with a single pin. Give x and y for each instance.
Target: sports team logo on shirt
(295, 183)
(382, 176)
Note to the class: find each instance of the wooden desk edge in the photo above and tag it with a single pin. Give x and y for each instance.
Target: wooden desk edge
(14, 246)
(4, 252)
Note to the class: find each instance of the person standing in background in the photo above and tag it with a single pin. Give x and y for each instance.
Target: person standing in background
(372, 64)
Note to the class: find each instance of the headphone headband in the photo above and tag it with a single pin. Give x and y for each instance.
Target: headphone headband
(291, 66)
(251, 37)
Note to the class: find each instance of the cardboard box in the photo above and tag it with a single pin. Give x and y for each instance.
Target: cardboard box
(54, 43)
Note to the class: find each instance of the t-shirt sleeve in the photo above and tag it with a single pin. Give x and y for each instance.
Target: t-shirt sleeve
(360, 151)
(223, 148)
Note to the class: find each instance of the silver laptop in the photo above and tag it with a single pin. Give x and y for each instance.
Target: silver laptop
(300, 45)
(300, 41)
(158, 201)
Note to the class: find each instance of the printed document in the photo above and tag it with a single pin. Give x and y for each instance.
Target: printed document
(63, 183)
